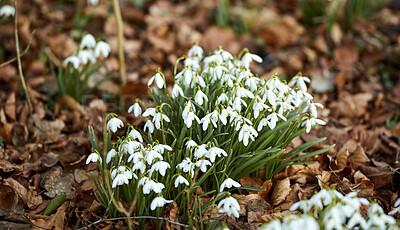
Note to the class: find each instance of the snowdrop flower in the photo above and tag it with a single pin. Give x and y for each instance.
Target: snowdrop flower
(375, 208)
(135, 135)
(200, 97)
(221, 99)
(247, 132)
(187, 166)
(88, 41)
(242, 92)
(312, 121)
(132, 146)
(190, 144)
(273, 118)
(7, 10)
(273, 225)
(190, 118)
(139, 166)
(300, 80)
(93, 157)
(93, 2)
(258, 106)
(397, 208)
(192, 64)
(248, 58)
(151, 185)
(74, 60)
(181, 180)
(110, 155)
(149, 112)
(231, 206)
(357, 219)
(313, 109)
(200, 151)
(157, 119)
(120, 179)
(102, 48)
(196, 52)
(158, 79)
(176, 91)
(160, 166)
(114, 123)
(137, 110)
(215, 151)
(85, 56)
(229, 183)
(151, 155)
(160, 148)
(202, 164)
(159, 202)
(149, 126)
(263, 122)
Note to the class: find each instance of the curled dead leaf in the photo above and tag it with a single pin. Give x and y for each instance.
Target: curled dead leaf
(281, 191)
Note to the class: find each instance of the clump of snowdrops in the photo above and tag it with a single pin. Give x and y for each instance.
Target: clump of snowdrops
(72, 78)
(218, 124)
(329, 209)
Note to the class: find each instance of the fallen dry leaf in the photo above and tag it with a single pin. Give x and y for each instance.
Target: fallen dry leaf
(29, 196)
(281, 191)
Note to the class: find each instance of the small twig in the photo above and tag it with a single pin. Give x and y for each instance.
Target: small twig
(21, 74)
(121, 56)
(22, 54)
(135, 217)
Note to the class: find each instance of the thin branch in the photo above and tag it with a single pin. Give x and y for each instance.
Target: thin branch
(121, 56)
(22, 54)
(135, 217)
(21, 74)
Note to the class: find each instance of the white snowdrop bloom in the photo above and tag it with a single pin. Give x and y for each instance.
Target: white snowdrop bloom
(93, 2)
(273, 225)
(132, 146)
(196, 52)
(334, 218)
(237, 104)
(221, 99)
(258, 106)
(110, 155)
(149, 112)
(247, 132)
(93, 157)
(159, 202)
(304, 205)
(202, 164)
(161, 148)
(300, 80)
(273, 118)
(200, 151)
(88, 41)
(149, 126)
(226, 56)
(200, 97)
(219, 72)
(86, 55)
(151, 155)
(357, 219)
(197, 80)
(263, 122)
(181, 180)
(187, 166)
(185, 76)
(74, 60)
(324, 196)
(176, 91)
(137, 110)
(375, 208)
(248, 58)
(190, 144)
(271, 96)
(284, 106)
(378, 222)
(136, 157)
(160, 166)
(158, 79)
(242, 92)
(114, 123)
(157, 119)
(190, 118)
(215, 151)
(7, 11)
(252, 83)
(312, 121)
(229, 183)
(135, 135)
(102, 48)
(139, 166)
(206, 121)
(313, 109)
(120, 179)
(151, 185)
(192, 63)
(397, 207)
(231, 206)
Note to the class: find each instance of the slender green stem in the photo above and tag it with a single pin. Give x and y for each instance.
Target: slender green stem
(121, 56)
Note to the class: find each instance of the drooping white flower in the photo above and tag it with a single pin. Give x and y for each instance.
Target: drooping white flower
(114, 123)
(158, 118)
(229, 183)
(137, 110)
(161, 148)
(231, 206)
(102, 48)
(74, 60)
(110, 155)
(397, 207)
(160, 166)
(93, 157)
(187, 166)
(159, 202)
(132, 146)
(149, 112)
(7, 11)
(215, 151)
(273, 118)
(357, 219)
(200, 151)
(300, 80)
(88, 41)
(191, 63)
(158, 79)
(120, 179)
(202, 164)
(151, 185)
(93, 2)
(181, 180)
(135, 135)
(248, 58)
(263, 122)
(149, 125)
(196, 53)
(176, 91)
(200, 97)
(221, 99)
(151, 155)
(139, 166)
(247, 132)
(189, 118)
(190, 144)
(312, 121)
(86, 55)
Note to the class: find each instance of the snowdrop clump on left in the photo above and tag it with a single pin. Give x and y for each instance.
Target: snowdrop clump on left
(218, 123)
